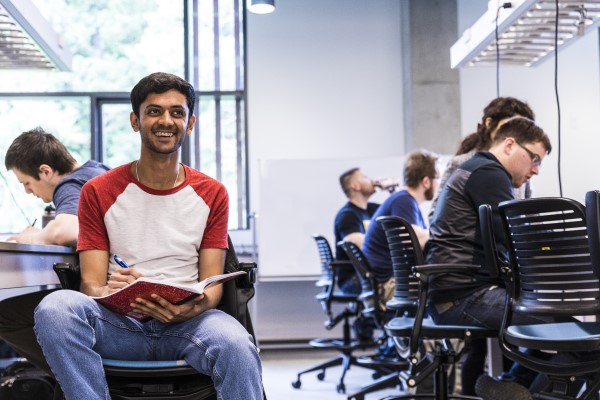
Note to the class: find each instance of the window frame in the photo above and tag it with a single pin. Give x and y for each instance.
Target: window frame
(190, 154)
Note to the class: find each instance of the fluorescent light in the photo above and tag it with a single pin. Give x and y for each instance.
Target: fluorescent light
(525, 32)
(28, 41)
(261, 6)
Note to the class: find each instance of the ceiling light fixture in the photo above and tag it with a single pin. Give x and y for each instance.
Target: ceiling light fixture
(27, 41)
(261, 6)
(525, 32)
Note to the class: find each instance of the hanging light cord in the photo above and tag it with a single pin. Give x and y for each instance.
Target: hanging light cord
(560, 190)
(504, 5)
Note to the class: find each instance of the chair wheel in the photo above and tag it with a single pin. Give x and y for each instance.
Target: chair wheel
(341, 388)
(297, 384)
(375, 375)
(321, 375)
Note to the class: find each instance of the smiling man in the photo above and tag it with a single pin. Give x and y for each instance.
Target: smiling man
(489, 177)
(167, 221)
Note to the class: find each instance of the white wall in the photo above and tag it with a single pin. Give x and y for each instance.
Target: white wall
(324, 83)
(579, 95)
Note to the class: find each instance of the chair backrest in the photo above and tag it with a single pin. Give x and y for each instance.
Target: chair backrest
(405, 252)
(326, 257)
(489, 241)
(369, 295)
(592, 211)
(550, 257)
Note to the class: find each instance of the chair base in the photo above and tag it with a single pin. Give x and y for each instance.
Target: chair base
(346, 360)
(387, 381)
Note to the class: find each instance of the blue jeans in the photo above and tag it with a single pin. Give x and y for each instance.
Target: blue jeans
(75, 332)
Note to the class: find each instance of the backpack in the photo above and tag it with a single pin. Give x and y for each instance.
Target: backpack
(23, 381)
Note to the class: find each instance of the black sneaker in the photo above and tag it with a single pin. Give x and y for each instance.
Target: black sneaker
(489, 388)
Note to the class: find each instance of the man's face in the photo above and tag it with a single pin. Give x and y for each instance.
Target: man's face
(364, 183)
(41, 188)
(525, 161)
(164, 122)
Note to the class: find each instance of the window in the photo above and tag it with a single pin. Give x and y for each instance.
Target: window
(88, 108)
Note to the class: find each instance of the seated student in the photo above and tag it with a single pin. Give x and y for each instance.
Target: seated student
(420, 180)
(489, 177)
(46, 169)
(494, 115)
(352, 219)
(350, 225)
(167, 221)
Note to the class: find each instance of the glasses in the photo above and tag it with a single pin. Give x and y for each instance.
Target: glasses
(535, 159)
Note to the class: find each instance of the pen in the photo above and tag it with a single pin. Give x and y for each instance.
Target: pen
(34, 221)
(120, 262)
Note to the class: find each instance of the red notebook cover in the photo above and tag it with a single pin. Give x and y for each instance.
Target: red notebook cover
(120, 301)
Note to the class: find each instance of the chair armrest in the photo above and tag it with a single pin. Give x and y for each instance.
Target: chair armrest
(248, 280)
(341, 266)
(68, 275)
(430, 269)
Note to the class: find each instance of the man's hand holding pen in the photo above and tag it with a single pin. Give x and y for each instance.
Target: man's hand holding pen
(122, 277)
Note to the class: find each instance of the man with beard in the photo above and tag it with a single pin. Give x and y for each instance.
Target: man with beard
(420, 182)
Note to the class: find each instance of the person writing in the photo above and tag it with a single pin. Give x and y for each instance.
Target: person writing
(46, 169)
(167, 221)
(420, 182)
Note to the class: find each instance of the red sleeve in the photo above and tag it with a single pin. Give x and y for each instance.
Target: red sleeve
(215, 233)
(92, 231)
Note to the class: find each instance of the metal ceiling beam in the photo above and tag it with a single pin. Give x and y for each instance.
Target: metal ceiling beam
(23, 30)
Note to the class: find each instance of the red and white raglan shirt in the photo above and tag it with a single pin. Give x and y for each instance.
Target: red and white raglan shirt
(158, 232)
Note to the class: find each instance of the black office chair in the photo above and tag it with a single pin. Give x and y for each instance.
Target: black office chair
(592, 213)
(374, 309)
(167, 380)
(552, 274)
(331, 294)
(412, 326)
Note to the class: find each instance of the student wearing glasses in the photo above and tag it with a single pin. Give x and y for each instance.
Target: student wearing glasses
(495, 114)
(489, 177)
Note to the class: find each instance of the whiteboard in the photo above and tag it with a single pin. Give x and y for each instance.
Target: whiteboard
(298, 198)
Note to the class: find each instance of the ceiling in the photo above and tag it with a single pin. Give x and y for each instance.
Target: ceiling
(27, 41)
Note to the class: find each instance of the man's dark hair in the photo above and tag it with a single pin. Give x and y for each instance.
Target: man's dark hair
(500, 108)
(160, 82)
(523, 130)
(345, 180)
(36, 147)
(419, 164)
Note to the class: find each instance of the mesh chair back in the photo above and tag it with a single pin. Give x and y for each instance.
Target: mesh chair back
(326, 257)
(368, 295)
(550, 257)
(401, 239)
(592, 211)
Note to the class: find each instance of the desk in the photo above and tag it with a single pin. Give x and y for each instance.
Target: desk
(25, 265)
